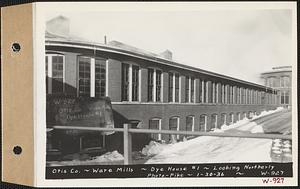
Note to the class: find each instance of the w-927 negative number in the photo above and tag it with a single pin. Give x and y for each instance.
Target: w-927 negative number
(274, 180)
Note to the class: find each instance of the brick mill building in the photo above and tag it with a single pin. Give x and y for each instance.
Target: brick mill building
(152, 89)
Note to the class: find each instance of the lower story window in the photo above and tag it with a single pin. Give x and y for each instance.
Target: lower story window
(190, 124)
(174, 125)
(223, 119)
(155, 123)
(214, 121)
(238, 116)
(231, 115)
(203, 123)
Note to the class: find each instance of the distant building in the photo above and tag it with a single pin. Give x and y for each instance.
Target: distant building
(280, 78)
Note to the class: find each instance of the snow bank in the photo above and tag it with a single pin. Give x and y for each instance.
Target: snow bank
(108, 157)
(210, 149)
(264, 113)
(153, 148)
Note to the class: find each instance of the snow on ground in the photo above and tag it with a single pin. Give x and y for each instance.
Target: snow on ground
(210, 149)
(204, 149)
(108, 157)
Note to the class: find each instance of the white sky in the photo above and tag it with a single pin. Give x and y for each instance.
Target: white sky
(237, 43)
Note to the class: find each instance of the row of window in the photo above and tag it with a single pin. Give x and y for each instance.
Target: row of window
(284, 97)
(92, 82)
(217, 93)
(284, 81)
(174, 122)
(91, 75)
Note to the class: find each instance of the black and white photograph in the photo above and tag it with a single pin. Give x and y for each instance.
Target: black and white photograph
(169, 90)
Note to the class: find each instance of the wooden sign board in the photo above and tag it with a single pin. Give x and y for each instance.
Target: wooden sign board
(63, 110)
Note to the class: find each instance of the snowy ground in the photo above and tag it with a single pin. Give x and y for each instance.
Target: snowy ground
(208, 149)
(203, 149)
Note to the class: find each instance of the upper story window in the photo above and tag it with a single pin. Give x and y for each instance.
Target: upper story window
(238, 95)
(173, 87)
(130, 82)
(154, 85)
(84, 76)
(223, 94)
(215, 92)
(176, 87)
(100, 77)
(200, 91)
(171, 81)
(91, 77)
(55, 74)
(189, 89)
(158, 85)
(271, 82)
(192, 89)
(150, 85)
(285, 81)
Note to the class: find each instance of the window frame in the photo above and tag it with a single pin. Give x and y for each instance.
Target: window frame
(49, 65)
(159, 126)
(205, 122)
(178, 123)
(130, 88)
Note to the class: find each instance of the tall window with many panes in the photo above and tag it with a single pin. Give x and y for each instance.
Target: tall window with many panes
(125, 82)
(187, 89)
(150, 84)
(158, 85)
(135, 83)
(130, 82)
(100, 77)
(176, 87)
(171, 81)
(84, 64)
(192, 89)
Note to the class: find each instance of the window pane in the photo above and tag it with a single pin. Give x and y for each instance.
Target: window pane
(57, 74)
(200, 91)
(154, 124)
(100, 77)
(189, 123)
(192, 89)
(176, 87)
(187, 89)
(125, 82)
(173, 125)
(158, 85)
(170, 87)
(203, 123)
(150, 84)
(135, 83)
(84, 76)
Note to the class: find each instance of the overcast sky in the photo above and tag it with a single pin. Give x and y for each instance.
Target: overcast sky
(237, 43)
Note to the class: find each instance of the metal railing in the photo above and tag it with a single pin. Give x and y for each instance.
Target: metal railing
(127, 133)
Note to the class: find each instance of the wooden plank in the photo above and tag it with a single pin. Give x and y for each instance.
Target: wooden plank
(127, 145)
(194, 133)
